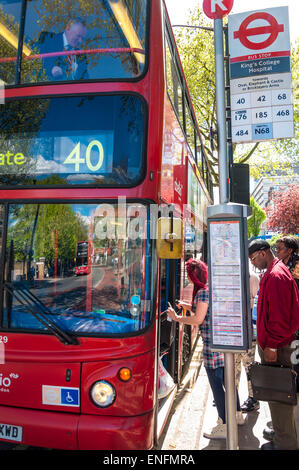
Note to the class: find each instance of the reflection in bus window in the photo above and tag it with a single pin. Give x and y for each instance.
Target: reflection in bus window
(1, 226)
(189, 128)
(83, 258)
(174, 87)
(9, 38)
(46, 243)
(74, 40)
(57, 141)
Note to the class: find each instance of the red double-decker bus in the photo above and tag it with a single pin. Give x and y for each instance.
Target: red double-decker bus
(98, 140)
(83, 258)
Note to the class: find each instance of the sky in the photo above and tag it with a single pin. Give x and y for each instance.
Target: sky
(178, 10)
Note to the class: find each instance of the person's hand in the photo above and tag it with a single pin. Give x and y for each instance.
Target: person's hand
(56, 72)
(269, 355)
(182, 304)
(171, 313)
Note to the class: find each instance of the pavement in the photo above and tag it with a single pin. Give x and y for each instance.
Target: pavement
(194, 413)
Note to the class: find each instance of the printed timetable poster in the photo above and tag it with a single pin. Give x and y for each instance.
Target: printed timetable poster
(225, 285)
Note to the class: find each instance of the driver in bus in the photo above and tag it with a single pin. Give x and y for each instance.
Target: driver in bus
(69, 66)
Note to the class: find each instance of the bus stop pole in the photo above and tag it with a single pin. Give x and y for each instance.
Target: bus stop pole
(229, 360)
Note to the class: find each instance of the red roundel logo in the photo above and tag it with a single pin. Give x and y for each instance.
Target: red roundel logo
(217, 9)
(272, 28)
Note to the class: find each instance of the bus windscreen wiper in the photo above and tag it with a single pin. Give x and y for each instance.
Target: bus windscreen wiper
(34, 306)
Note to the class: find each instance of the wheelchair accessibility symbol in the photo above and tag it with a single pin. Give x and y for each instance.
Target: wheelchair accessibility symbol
(70, 396)
(60, 396)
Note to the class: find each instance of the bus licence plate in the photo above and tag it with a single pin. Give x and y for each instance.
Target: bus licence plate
(11, 432)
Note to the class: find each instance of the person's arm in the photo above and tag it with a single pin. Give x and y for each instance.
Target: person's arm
(270, 355)
(254, 287)
(279, 325)
(196, 318)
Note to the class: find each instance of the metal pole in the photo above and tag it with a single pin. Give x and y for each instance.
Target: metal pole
(221, 111)
(229, 360)
(230, 401)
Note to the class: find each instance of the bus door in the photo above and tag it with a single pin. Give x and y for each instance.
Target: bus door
(169, 289)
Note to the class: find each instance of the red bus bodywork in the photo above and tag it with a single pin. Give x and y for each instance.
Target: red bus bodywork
(36, 360)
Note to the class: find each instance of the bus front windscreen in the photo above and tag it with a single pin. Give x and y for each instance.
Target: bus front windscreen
(86, 140)
(111, 297)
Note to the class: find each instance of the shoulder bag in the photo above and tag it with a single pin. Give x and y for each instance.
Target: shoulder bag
(273, 383)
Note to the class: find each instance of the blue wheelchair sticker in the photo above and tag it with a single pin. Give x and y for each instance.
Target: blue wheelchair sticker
(69, 396)
(60, 396)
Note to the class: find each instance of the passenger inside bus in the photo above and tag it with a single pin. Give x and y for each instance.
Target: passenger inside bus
(112, 40)
(70, 65)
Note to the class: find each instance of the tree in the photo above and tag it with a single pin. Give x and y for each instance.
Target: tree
(257, 218)
(280, 154)
(283, 214)
(290, 147)
(273, 240)
(57, 231)
(196, 48)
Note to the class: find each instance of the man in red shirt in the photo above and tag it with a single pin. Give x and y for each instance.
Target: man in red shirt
(277, 322)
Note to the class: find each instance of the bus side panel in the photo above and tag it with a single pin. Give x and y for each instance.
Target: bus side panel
(116, 433)
(43, 428)
(173, 174)
(133, 397)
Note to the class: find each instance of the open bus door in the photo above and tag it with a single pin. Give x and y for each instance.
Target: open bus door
(174, 344)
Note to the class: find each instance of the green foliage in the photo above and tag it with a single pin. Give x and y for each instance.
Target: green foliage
(49, 229)
(277, 236)
(290, 147)
(196, 48)
(256, 220)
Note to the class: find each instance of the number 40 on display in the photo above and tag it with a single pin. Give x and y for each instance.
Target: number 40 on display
(75, 158)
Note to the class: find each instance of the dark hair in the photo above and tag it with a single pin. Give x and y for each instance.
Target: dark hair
(289, 242)
(257, 245)
(295, 260)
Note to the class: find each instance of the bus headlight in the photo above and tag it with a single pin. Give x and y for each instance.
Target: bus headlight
(102, 393)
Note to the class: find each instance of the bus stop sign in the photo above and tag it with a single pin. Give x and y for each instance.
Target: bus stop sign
(273, 29)
(217, 9)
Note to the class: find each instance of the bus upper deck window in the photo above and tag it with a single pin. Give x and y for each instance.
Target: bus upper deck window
(105, 40)
(10, 12)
